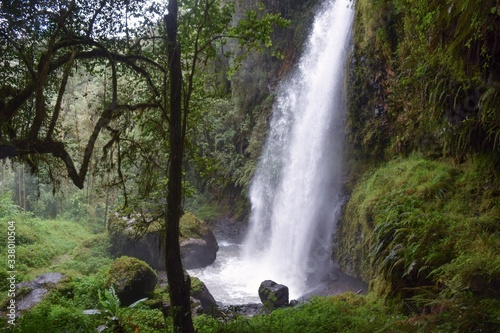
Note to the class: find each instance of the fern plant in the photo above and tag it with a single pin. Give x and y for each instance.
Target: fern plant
(109, 301)
(111, 304)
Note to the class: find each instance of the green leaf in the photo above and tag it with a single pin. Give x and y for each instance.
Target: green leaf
(133, 305)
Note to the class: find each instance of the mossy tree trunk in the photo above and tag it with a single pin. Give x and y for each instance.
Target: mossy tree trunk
(179, 283)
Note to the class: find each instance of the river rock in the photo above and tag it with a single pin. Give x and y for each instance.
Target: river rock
(197, 253)
(132, 279)
(138, 236)
(248, 310)
(273, 294)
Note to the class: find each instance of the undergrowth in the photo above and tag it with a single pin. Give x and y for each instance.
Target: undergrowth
(343, 313)
(430, 238)
(425, 232)
(54, 246)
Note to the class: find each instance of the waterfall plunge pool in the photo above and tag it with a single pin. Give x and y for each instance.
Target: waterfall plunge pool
(233, 280)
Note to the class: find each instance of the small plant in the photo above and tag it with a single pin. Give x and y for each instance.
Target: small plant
(109, 301)
(111, 304)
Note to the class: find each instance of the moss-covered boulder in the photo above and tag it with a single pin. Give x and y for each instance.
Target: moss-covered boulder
(198, 244)
(273, 295)
(140, 236)
(132, 279)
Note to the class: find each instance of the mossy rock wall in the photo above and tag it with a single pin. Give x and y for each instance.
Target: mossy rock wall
(424, 76)
(415, 223)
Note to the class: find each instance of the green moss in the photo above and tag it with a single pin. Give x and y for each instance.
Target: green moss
(196, 285)
(426, 231)
(191, 226)
(127, 268)
(130, 228)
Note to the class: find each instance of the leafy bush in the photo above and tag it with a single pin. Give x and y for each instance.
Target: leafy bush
(7, 206)
(142, 319)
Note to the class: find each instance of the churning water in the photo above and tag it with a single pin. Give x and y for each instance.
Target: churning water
(295, 194)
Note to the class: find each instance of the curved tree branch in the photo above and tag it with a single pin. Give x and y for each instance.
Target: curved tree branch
(57, 149)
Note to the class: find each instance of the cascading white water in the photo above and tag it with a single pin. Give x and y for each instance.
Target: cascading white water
(295, 193)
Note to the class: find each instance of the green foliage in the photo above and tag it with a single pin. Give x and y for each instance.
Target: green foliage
(201, 207)
(82, 292)
(7, 207)
(343, 313)
(427, 232)
(142, 319)
(55, 245)
(109, 301)
(48, 317)
(425, 79)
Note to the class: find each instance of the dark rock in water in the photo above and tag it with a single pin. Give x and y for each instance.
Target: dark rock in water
(198, 253)
(234, 311)
(200, 292)
(140, 236)
(198, 244)
(272, 294)
(230, 229)
(132, 279)
(37, 289)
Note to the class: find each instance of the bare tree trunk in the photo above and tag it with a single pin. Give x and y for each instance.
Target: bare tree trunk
(19, 187)
(24, 188)
(179, 282)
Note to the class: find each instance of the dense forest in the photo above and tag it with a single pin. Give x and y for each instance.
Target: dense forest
(123, 108)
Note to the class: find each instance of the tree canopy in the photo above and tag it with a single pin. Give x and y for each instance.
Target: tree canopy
(45, 43)
(151, 54)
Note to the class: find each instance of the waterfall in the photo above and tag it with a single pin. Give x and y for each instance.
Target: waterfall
(295, 193)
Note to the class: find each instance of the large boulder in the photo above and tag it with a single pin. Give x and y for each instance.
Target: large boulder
(132, 279)
(273, 295)
(198, 244)
(139, 236)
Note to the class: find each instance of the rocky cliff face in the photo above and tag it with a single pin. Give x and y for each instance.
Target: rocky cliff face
(424, 77)
(423, 151)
